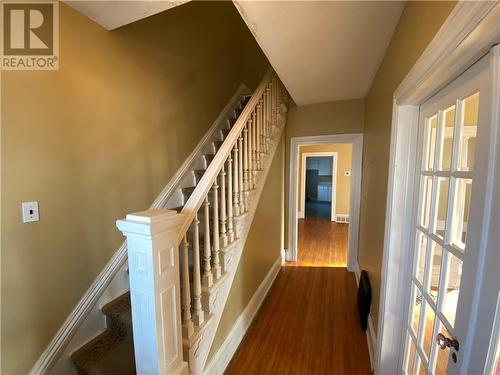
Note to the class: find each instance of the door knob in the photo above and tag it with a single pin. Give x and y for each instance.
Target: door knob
(445, 342)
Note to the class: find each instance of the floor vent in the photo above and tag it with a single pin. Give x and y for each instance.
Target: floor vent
(342, 218)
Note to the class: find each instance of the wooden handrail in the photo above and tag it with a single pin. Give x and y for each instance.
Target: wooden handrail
(203, 187)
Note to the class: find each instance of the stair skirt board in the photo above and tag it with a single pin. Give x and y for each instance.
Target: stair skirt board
(223, 356)
(371, 337)
(86, 319)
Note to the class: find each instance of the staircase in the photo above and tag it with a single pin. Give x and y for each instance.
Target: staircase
(182, 260)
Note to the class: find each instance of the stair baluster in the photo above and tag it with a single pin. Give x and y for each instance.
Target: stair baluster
(198, 314)
(223, 212)
(216, 269)
(236, 190)
(208, 278)
(245, 159)
(268, 121)
(240, 174)
(187, 322)
(275, 102)
(252, 154)
(259, 132)
(230, 222)
(264, 123)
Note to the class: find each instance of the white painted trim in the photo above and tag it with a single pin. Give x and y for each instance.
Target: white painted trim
(89, 300)
(223, 356)
(305, 155)
(283, 256)
(493, 347)
(371, 336)
(467, 34)
(355, 197)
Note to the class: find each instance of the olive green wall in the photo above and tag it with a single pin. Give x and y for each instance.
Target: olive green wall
(100, 138)
(418, 24)
(262, 248)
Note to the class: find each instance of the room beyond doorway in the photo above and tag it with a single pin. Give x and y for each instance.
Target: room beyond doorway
(319, 185)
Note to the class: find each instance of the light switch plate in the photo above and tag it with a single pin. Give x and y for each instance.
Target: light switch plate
(30, 212)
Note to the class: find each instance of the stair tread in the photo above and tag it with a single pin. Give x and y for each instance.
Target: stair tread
(107, 353)
(119, 360)
(117, 306)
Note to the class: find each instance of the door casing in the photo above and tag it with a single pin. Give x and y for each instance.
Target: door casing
(355, 195)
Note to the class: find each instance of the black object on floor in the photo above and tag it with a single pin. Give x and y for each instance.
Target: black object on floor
(364, 299)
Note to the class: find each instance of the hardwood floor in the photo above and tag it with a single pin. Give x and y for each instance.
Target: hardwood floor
(321, 243)
(308, 324)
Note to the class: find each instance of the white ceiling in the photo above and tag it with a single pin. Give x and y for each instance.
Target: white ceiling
(324, 50)
(116, 13)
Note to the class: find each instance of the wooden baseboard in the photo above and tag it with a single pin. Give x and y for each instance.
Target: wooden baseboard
(223, 356)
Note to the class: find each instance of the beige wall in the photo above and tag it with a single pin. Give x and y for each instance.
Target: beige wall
(343, 185)
(98, 139)
(338, 117)
(261, 251)
(417, 26)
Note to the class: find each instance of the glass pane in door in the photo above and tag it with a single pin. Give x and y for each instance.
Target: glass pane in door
(425, 202)
(468, 132)
(447, 140)
(430, 142)
(410, 356)
(461, 206)
(441, 206)
(435, 270)
(452, 287)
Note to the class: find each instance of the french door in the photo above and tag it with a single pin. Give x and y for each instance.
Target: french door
(447, 227)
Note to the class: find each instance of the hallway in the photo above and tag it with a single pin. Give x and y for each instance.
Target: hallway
(308, 323)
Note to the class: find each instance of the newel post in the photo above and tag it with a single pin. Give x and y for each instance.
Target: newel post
(153, 260)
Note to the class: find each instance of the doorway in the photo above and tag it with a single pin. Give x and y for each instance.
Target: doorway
(335, 193)
(318, 184)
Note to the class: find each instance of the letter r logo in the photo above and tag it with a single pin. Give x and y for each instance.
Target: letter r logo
(28, 29)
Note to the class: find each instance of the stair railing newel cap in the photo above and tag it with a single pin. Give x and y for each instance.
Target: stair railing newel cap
(150, 223)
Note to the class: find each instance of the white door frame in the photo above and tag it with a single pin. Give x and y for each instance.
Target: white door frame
(355, 195)
(471, 29)
(305, 155)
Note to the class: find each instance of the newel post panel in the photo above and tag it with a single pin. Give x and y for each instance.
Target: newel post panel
(153, 260)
